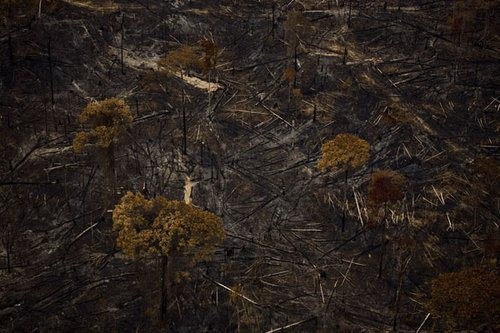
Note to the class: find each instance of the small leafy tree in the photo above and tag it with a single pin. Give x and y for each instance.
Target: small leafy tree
(344, 151)
(203, 57)
(168, 229)
(290, 76)
(386, 186)
(210, 55)
(181, 59)
(467, 299)
(108, 119)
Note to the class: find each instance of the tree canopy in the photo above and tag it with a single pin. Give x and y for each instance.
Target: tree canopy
(107, 119)
(163, 227)
(385, 186)
(182, 58)
(202, 57)
(345, 150)
(465, 298)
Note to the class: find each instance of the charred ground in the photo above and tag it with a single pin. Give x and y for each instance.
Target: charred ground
(421, 88)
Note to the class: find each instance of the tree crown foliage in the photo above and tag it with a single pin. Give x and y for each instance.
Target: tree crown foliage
(107, 120)
(466, 297)
(385, 186)
(184, 57)
(289, 74)
(165, 227)
(210, 54)
(345, 150)
(202, 57)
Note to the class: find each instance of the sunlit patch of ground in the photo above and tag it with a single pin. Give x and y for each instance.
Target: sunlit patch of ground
(105, 6)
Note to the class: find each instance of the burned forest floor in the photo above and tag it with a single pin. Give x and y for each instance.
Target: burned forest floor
(304, 250)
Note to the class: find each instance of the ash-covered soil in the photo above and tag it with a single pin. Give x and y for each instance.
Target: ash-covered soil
(303, 252)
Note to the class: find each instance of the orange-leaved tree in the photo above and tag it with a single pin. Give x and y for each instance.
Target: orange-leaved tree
(467, 299)
(386, 186)
(344, 151)
(169, 229)
(203, 56)
(290, 76)
(210, 55)
(108, 119)
(182, 59)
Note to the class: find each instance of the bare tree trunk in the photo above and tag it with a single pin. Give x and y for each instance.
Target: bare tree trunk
(295, 63)
(107, 157)
(46, 120)
(9, 266)
(184, 125)
(121, 42)
(49, 52)
(164, 289)
(201, 153)
(382, 255)
(9, 41)
(383, 244)
(397, 303)
(345, 198)
(350, 10)
(273, 17)
(166, 283)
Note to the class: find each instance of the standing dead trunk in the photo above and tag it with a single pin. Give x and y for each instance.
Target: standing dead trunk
(345, 198)
(209, 94)
(397, 303)
(49, 52)
(273, 17)
(201, 153)
(9, 41)
(383, 244)
(184, 126)
(164, 289)
(121, 43)
(9, 265)
(382, 255)
(7, 242)
(166, 284)
(107, 157)
(9, 36)
(295, 64)
(350, 10)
